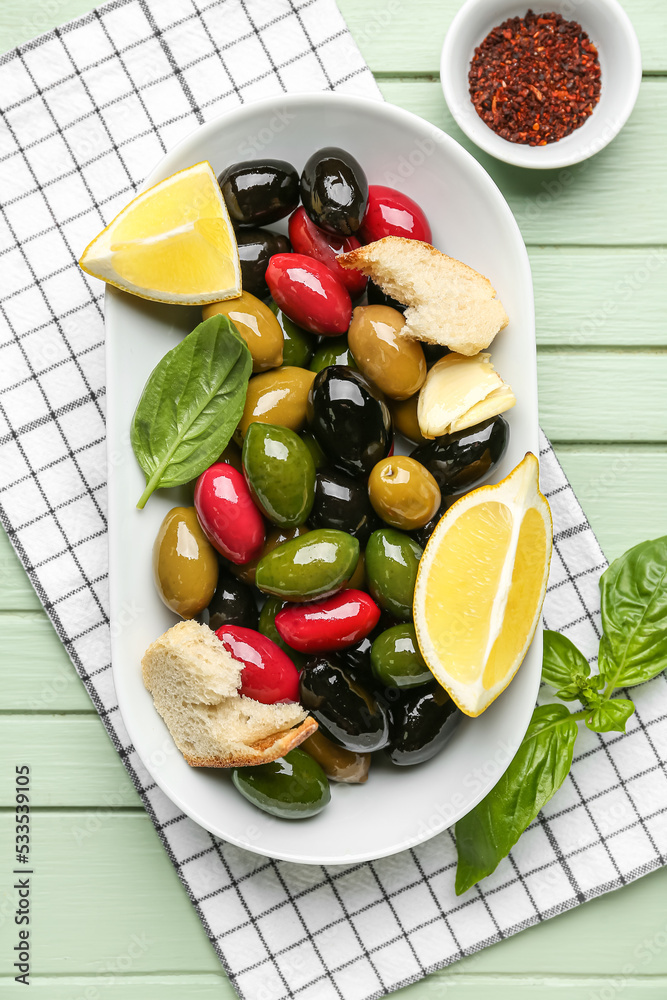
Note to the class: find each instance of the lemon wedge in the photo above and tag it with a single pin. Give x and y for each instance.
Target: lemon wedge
(481, 584)
(173, 243)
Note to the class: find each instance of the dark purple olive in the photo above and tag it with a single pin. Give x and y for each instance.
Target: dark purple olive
(350, 420)
(256, 248)
(233, 603)
(421, 722)
(258, 192)
(459, 462)
(346, 712)
(334, 191)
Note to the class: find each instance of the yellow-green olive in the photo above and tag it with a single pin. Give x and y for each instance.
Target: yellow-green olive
(358, 579)
(278, 397)
(338, 763)
(185, 564)
(404, 416)
(393, 363)
(258, 326)
(403, 492)
(274, 538)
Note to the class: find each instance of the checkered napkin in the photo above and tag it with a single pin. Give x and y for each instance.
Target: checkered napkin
(87, 110)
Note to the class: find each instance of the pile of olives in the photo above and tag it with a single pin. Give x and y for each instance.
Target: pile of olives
(302, 546)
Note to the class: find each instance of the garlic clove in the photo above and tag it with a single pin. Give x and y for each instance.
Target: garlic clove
(461, 391)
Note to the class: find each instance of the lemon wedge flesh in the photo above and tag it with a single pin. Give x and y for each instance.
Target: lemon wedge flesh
(481, 584)
(173, 243)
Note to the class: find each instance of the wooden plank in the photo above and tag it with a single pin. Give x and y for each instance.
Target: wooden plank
(38, 675)
(603, 396)
(436, 986)
(382, 32)
(93, 893)
(616, 197)
(72, 761)
(600, 297)
(16, 591)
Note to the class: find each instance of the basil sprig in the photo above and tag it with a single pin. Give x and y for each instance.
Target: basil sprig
(633, 649)
(190, 405)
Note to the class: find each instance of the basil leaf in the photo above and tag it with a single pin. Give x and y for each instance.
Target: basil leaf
(563, 665)
(634, 615)
(191, 404)
(611, 716)
(489, 832)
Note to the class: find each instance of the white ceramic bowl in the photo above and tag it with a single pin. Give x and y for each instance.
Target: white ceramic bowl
(398, 807)
(607, 25)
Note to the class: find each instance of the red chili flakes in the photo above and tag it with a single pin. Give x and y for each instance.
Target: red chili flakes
(535, 79)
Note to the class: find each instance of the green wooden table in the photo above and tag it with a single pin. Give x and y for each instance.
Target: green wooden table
(110, 916)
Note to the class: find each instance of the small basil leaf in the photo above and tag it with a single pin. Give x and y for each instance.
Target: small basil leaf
(571, 692)
(562, 663)
(634, 615)
(191, 405)
(489, 832)
(610, 716)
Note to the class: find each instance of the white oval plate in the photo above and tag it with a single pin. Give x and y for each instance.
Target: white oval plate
(398, 807)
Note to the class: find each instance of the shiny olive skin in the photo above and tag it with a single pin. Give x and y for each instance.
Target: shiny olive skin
(310, 567)
(274, 538)
(185, 564)
(345, 711)
(403, 492)
(309, 239)
(311, 443)
(292, 787)
(421, 723)
(280, 472)
(461, 461)
(330, 624)
(392, 561)
(404, 416)
(396, 660)
(278, 397)
(257, 325)
(337, 763)
(357, 658)
(358, 579)
(392, 213)
(334, 191)
(267, 626)
(232, 604)
(350, 420)
(342, 502)
(422, 535)
(298, 344)
(256, 248)
(390, 361)
(376, 297)
(309, 293)
(258, 192)
(332, 351)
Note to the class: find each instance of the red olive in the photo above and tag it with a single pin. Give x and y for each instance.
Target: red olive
(392, 213)
(309, 294)
(269, 675)
(334, 623)
(227, 513)
(308, 238)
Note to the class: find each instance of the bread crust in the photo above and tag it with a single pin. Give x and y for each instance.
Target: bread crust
(269, 749)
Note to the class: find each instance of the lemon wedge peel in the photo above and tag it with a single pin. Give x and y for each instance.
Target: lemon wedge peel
(169, 241)
(512, 519)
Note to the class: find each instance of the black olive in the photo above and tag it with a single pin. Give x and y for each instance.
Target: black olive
(346, 712)
(232, 604)
(459, 462)
(421, 722)
(334, 191)
(422, 535)
(256, 248)
(433, 353)
(342, 503)
(259, 191)
(350, 420)
(357, 658)
(376, 297)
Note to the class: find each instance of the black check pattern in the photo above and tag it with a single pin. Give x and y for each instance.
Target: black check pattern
(86, 111)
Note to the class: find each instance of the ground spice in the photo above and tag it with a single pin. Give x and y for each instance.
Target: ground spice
(535, 79)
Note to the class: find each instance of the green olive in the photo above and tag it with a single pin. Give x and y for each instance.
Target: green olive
(396, 660)
(278, 397)
(392, 561)
(305, 569)
(404, 416)
(257, 325)
(403, 492)
(185, 564)
(292, 787)
(274, 538)
(393, 363)
(298, 344)
(338, 763)
(332, 351)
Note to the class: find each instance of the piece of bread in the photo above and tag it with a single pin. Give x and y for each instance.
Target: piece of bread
(194, 681)
(448, 302)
